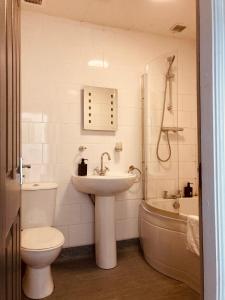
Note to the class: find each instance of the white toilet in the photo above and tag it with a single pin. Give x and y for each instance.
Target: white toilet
(40, 243)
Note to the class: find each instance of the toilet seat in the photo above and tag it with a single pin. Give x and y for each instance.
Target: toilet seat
(41, 239)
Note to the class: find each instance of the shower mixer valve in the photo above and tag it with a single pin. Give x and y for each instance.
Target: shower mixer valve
(173, 196)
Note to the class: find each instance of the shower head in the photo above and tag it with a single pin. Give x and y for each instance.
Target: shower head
(171, 59)
(34, 1)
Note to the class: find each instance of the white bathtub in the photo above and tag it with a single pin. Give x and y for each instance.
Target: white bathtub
(163, 239)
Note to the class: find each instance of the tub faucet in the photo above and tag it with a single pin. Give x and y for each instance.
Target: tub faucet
(103, 169)
(166, 196)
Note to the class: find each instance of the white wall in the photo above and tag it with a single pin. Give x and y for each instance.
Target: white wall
(55, 55)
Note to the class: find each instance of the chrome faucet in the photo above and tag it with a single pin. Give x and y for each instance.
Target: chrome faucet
(166, 196)
(103, 169)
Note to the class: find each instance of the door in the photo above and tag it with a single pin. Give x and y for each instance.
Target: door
(9, 149)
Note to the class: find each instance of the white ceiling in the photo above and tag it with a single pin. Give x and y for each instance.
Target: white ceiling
(155, 16)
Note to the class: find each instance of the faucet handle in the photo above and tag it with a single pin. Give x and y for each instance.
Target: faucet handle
(96, 170)
(165, 194)
(106, 169)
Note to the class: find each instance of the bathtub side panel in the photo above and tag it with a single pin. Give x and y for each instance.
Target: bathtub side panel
(165, 249)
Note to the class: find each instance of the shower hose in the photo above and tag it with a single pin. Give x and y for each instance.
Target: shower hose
(161, 127)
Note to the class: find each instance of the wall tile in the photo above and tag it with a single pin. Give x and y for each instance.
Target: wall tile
(188, 136)
(67, 194)
(67, 214)
(33, 174)
(187, 153)
(167, 170)
(37, 133)
(30, 114)
(65, 232)
(163, 152)
(127, 209)
(187, 169)
(135, 192)
(82, 234)
(50, 153)
(127, 229)
(71, 113)
(87, 211)
(170, 185)
(25, 132)
(187, 102)
(32, 153)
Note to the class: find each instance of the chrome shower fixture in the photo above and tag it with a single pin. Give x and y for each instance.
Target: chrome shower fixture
(39, 2)
(170, 59)
(168, 79)
(177, 28)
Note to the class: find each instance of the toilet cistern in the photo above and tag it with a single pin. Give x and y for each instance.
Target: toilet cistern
(103, 169)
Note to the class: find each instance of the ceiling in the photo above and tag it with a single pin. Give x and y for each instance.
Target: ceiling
(156, 16)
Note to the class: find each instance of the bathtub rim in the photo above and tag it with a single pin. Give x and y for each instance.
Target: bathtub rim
(170, 214)
(166, 213)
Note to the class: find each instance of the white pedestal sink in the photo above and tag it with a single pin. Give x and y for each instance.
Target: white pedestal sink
(104, 188)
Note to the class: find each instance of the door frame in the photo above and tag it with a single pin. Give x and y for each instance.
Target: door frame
(10, 190)
(2, 149)
(212, 135)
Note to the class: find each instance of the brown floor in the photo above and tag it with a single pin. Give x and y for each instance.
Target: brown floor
(132, 279)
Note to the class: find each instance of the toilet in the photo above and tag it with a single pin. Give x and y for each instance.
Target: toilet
(40, 242)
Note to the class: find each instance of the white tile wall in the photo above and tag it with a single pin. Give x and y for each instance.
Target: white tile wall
(173, 175)
(55, 56)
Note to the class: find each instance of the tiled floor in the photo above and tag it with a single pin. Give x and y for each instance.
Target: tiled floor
(133, 279)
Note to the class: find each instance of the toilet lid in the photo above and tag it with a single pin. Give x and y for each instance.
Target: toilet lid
(41, 238)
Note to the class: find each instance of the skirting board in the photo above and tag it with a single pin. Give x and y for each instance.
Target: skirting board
(89, 250)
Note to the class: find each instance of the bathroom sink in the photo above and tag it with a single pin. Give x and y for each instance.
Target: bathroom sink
(104, 188)
(103, 185)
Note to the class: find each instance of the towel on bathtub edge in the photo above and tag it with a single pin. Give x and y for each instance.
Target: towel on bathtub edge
(193, 234)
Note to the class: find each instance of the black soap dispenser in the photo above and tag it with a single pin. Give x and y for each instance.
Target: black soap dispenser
(82, 168)
(188, 190)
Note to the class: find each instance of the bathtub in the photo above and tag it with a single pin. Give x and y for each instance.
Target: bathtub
(163, 239)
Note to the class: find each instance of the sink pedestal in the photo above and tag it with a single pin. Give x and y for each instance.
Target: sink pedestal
(104, 188)
(105, 233)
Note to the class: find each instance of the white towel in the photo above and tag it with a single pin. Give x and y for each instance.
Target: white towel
(193, 234)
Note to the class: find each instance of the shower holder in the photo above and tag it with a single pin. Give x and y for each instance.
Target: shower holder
(82, 148)
(173, 129)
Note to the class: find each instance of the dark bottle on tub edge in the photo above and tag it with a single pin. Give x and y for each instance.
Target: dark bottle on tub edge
(82, 168)
(188, 190)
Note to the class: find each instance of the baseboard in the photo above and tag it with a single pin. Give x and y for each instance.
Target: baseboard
(89, 250)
